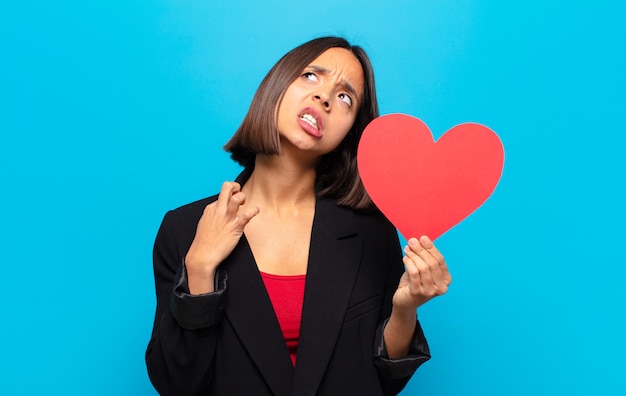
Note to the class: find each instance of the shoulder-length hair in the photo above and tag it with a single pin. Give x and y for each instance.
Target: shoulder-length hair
(337, 172)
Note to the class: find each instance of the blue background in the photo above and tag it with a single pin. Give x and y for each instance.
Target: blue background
(113, 112)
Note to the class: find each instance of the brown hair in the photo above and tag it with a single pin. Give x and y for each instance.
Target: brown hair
(337, 172)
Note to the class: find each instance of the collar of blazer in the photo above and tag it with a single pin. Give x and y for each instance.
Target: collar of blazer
(334, 258)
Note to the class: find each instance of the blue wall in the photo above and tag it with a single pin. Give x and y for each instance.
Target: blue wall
(113, 112)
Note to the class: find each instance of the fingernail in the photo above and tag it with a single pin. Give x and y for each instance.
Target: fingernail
(413, 242)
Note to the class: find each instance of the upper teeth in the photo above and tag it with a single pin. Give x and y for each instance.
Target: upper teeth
(310, 119)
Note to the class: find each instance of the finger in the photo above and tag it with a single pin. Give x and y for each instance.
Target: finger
(223, 199)
(422, 252)
(440, 281)
(429, 246)
(431, 255)
(424, 283)
(418, 269)
(434, 274)
(248, 215)
(413, 279)
(236, 200)
(420, 284)
(447, 278)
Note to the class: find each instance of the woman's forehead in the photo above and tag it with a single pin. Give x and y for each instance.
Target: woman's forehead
(342, 64)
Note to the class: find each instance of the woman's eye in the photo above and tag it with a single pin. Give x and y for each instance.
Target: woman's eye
(346, 98)
(310, 76)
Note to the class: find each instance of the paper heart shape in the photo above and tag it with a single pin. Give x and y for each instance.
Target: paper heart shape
(426, 187)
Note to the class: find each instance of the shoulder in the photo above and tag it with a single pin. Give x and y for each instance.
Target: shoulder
(370, 223)
(184, 219)
(178, 226)
(374, 219)
(191, 211)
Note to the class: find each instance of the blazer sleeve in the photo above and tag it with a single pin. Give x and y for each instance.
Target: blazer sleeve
(184, 324)
(404, 367)
(394, 374)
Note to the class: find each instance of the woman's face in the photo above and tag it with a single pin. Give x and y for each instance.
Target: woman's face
(319, 107)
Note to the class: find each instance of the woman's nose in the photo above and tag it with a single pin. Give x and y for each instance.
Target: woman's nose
(323, 97)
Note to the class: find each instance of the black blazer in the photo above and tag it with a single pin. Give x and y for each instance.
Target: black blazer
(229, 342)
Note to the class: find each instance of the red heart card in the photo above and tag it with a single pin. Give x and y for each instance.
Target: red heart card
(426, 187)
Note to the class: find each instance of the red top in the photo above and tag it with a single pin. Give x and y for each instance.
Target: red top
(287, 295)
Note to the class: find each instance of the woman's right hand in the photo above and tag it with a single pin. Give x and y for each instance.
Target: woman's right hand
(217, 234)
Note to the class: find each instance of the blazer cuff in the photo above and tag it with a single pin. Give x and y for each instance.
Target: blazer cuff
(405, 366)
(193, 312)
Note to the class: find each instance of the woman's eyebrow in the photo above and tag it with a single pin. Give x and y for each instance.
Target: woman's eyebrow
(344, 82)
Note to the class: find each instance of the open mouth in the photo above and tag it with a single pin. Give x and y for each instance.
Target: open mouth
(309, 119)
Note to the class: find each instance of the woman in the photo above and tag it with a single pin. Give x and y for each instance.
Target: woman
(289, 281)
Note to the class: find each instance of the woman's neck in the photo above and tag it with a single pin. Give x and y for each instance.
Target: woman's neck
(279, 183)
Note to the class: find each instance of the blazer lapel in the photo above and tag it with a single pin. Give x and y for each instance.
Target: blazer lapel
(334, 259)
(251, 314)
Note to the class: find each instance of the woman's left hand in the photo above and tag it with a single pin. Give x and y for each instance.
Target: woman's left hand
(426, 275)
